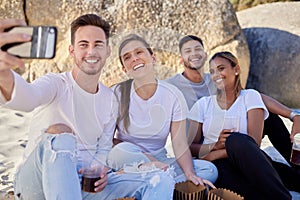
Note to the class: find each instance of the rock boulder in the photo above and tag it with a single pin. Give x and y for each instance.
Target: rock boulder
(161, 22)
(273, 36)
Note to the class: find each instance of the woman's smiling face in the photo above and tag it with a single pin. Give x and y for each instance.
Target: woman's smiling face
(136, 58)
(222, 73)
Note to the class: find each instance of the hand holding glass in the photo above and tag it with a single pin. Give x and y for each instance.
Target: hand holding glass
(91, 172)
(295, 156)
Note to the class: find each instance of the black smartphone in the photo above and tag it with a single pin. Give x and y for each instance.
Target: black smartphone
(42, 44)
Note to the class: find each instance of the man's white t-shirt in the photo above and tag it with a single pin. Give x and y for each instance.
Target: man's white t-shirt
(56, 98)
(150, 119)
(207, 111)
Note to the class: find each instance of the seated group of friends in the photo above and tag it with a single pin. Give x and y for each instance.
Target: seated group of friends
(128, 124)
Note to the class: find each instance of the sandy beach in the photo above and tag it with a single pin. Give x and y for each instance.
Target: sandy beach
(13, 138)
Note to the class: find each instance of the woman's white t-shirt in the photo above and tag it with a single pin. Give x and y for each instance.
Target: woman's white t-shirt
(150, 120)
(207, 111)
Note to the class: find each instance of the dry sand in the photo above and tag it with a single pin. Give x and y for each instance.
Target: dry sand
(13, 137)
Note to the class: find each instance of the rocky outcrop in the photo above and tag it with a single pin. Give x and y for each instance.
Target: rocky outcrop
(273, 36)
(161, 22)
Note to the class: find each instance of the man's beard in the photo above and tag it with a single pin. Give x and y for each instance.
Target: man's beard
(188, 65)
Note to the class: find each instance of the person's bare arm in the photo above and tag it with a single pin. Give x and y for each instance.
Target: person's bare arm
(203, 150)
(7, 61)
(217, 150)
(278, 108)
(216, 154)
(183, 154)
(198, 150)
(194, 137)
(255, 124)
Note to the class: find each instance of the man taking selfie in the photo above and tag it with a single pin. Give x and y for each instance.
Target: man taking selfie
(74, 115)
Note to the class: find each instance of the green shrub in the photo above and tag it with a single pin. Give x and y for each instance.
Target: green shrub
(244, 4)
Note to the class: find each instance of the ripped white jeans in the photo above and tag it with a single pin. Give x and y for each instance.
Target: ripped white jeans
(126, 153)
(50, 172)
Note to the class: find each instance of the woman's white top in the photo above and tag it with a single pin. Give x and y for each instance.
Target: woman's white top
(150, 119)
(214, 119)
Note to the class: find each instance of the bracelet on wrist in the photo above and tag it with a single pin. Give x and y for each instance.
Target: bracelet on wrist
(293, 114)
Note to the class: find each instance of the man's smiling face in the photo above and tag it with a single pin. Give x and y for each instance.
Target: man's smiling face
(193, 55)
(90, 49)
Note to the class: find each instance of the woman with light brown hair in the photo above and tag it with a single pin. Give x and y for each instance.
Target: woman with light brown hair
(150, 110)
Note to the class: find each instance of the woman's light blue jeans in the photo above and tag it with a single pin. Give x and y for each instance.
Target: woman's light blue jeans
(50, 173)
(128, 153)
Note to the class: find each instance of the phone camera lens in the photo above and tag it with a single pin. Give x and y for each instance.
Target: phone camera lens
(52, 30)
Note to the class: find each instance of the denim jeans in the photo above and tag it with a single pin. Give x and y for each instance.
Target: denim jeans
(50, 172)
(128, 153)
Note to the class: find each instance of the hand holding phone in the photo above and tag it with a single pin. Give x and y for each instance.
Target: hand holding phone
(42, 44)
(7, 61)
